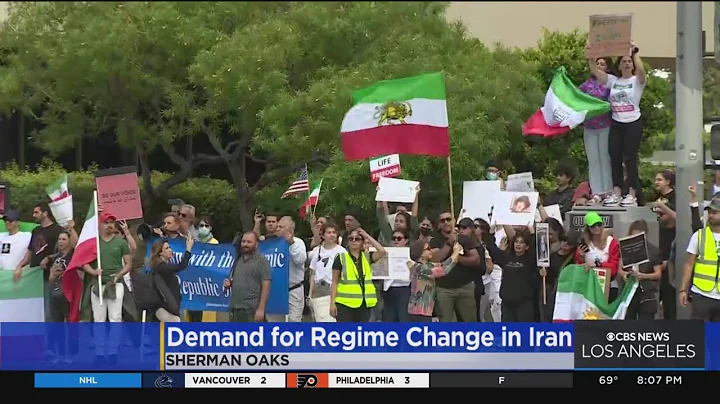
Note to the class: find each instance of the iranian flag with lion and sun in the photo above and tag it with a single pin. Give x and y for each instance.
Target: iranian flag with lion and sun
(580, 297)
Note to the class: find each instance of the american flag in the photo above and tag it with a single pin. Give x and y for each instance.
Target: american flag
(300, 185)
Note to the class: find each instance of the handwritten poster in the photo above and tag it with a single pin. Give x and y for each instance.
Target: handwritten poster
(118, 192)
(609, 35)
(4, 197)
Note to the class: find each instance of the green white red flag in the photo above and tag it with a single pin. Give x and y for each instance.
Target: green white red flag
(565, 108)
(312, 200)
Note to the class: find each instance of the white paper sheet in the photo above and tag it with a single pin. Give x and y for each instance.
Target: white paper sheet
(515, 208)
(478, 199)
(396, 190)
(520, 182)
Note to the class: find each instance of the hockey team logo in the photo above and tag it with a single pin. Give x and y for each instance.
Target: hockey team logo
(306, 381)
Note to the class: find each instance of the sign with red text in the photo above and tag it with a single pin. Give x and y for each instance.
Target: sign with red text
(119, 193)
(388, 166)
(609, 35)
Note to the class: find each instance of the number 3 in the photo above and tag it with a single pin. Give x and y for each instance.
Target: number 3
(262, 380)
(407, 380)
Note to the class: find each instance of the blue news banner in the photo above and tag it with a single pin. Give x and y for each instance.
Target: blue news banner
(210, 264)
(113, 354)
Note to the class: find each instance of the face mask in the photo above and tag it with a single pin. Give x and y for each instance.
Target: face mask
(425, 231)
(492, 176)
(203, 231)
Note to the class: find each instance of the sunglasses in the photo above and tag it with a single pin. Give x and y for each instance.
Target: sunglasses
(398, 238)
(355, 239)
(182, 215)
(596, 225)
(445, 219)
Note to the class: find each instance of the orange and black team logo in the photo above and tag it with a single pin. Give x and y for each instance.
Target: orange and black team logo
(307, 380)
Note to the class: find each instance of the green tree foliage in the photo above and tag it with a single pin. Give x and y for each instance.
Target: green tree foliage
(557, 49)
(711, 92)
(211, 197)
(263, 82)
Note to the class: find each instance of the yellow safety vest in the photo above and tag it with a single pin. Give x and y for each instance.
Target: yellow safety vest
(707, 264)
(349, 292)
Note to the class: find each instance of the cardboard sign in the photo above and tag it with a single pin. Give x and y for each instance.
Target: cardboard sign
(633, 250)
(388, 166)
(542, 249)
(118, 192)
(4, 197)
(609, 35)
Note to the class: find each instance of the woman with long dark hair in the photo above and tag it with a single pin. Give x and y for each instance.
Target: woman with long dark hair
(626, 129)
(164, 271)
(665, 209)
(596, 132)
(520, 280)
(559, 259)
(644, 304)
(57, 264)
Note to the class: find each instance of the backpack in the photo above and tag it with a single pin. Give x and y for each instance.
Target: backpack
(145, 292)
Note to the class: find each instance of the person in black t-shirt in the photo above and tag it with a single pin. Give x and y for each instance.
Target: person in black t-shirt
(644, 304)
(520, 280)
(456, 291)
(665, 186)
(43, 239)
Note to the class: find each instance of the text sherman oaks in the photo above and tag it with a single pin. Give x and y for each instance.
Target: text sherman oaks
(349, 340)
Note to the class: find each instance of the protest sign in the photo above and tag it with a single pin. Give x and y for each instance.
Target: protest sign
(609, 35)
(395, 190)
(542, 249)
(201, 283)
(515, 208)
(4, 197)
(478, 199)
(118, 192)
(552, 211)
(520, 182)
(633, 250)
(388, 166)
(393, 265)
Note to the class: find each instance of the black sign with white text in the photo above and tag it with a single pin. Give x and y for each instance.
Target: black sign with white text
(633, 250)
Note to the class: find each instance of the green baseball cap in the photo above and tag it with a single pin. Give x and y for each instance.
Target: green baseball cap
(592, 218)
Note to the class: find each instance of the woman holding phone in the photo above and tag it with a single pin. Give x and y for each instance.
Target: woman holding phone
(598, 249)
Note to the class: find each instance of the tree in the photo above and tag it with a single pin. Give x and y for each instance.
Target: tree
(557, 49)
(711, 92)
(264, 82)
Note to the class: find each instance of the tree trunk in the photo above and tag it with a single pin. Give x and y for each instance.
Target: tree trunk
(243, 195)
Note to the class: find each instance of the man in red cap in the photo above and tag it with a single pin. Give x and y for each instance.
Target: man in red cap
(114, 262)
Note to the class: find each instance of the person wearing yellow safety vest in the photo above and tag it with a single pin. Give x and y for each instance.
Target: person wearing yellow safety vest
(353, 295)
(701, 276)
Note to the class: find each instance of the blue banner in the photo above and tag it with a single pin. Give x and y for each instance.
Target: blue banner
(201, 283)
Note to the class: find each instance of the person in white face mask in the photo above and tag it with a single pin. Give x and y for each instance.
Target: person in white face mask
(205, 231)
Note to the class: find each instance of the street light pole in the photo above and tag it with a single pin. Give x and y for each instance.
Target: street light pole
(689, 151)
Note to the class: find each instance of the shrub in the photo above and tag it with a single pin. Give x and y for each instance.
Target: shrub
(210, 196)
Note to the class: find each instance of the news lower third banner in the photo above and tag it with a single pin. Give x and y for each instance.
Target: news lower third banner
(586, 345)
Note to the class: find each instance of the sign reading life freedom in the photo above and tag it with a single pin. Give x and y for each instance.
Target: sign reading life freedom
(609, 35)
(388, 166)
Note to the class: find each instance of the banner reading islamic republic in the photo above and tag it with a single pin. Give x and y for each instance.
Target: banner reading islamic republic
(201, 283)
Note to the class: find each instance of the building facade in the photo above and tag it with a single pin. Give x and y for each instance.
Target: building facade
(520, 23)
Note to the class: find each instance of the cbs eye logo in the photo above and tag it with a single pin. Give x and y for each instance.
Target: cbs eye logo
(306, 381)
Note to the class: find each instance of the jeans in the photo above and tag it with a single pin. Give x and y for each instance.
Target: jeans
(624, 146)
(395, 305)
(598, 157)
(460, 302)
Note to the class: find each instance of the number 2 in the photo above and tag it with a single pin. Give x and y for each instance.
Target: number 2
(407, 380)
(262, 380)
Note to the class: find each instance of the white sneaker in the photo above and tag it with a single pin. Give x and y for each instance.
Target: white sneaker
(628, 201)
(596, 200)
(611, 200)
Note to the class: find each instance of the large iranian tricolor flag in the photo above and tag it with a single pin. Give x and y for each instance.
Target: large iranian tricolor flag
(85, 253)
(58, 189)
(580, 297)
(403, 116)
(22, 301)
(565, 108)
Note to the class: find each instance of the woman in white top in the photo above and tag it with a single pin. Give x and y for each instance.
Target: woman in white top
(627, 125)
(321, 262)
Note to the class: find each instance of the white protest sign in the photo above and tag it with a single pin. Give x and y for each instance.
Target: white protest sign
(478, 199)
(552, 211)
(388, 166)
(395, 190)
(520, 182)
(515, 208)
(397, 258)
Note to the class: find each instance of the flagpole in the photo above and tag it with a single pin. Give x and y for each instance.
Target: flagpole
(97, 248)
(450, 186)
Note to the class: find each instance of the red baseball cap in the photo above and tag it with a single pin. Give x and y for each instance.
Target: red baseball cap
(107, 217)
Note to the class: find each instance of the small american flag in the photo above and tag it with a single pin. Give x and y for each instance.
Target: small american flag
(300, 185)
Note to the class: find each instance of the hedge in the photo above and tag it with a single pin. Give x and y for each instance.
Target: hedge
(212, 197)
